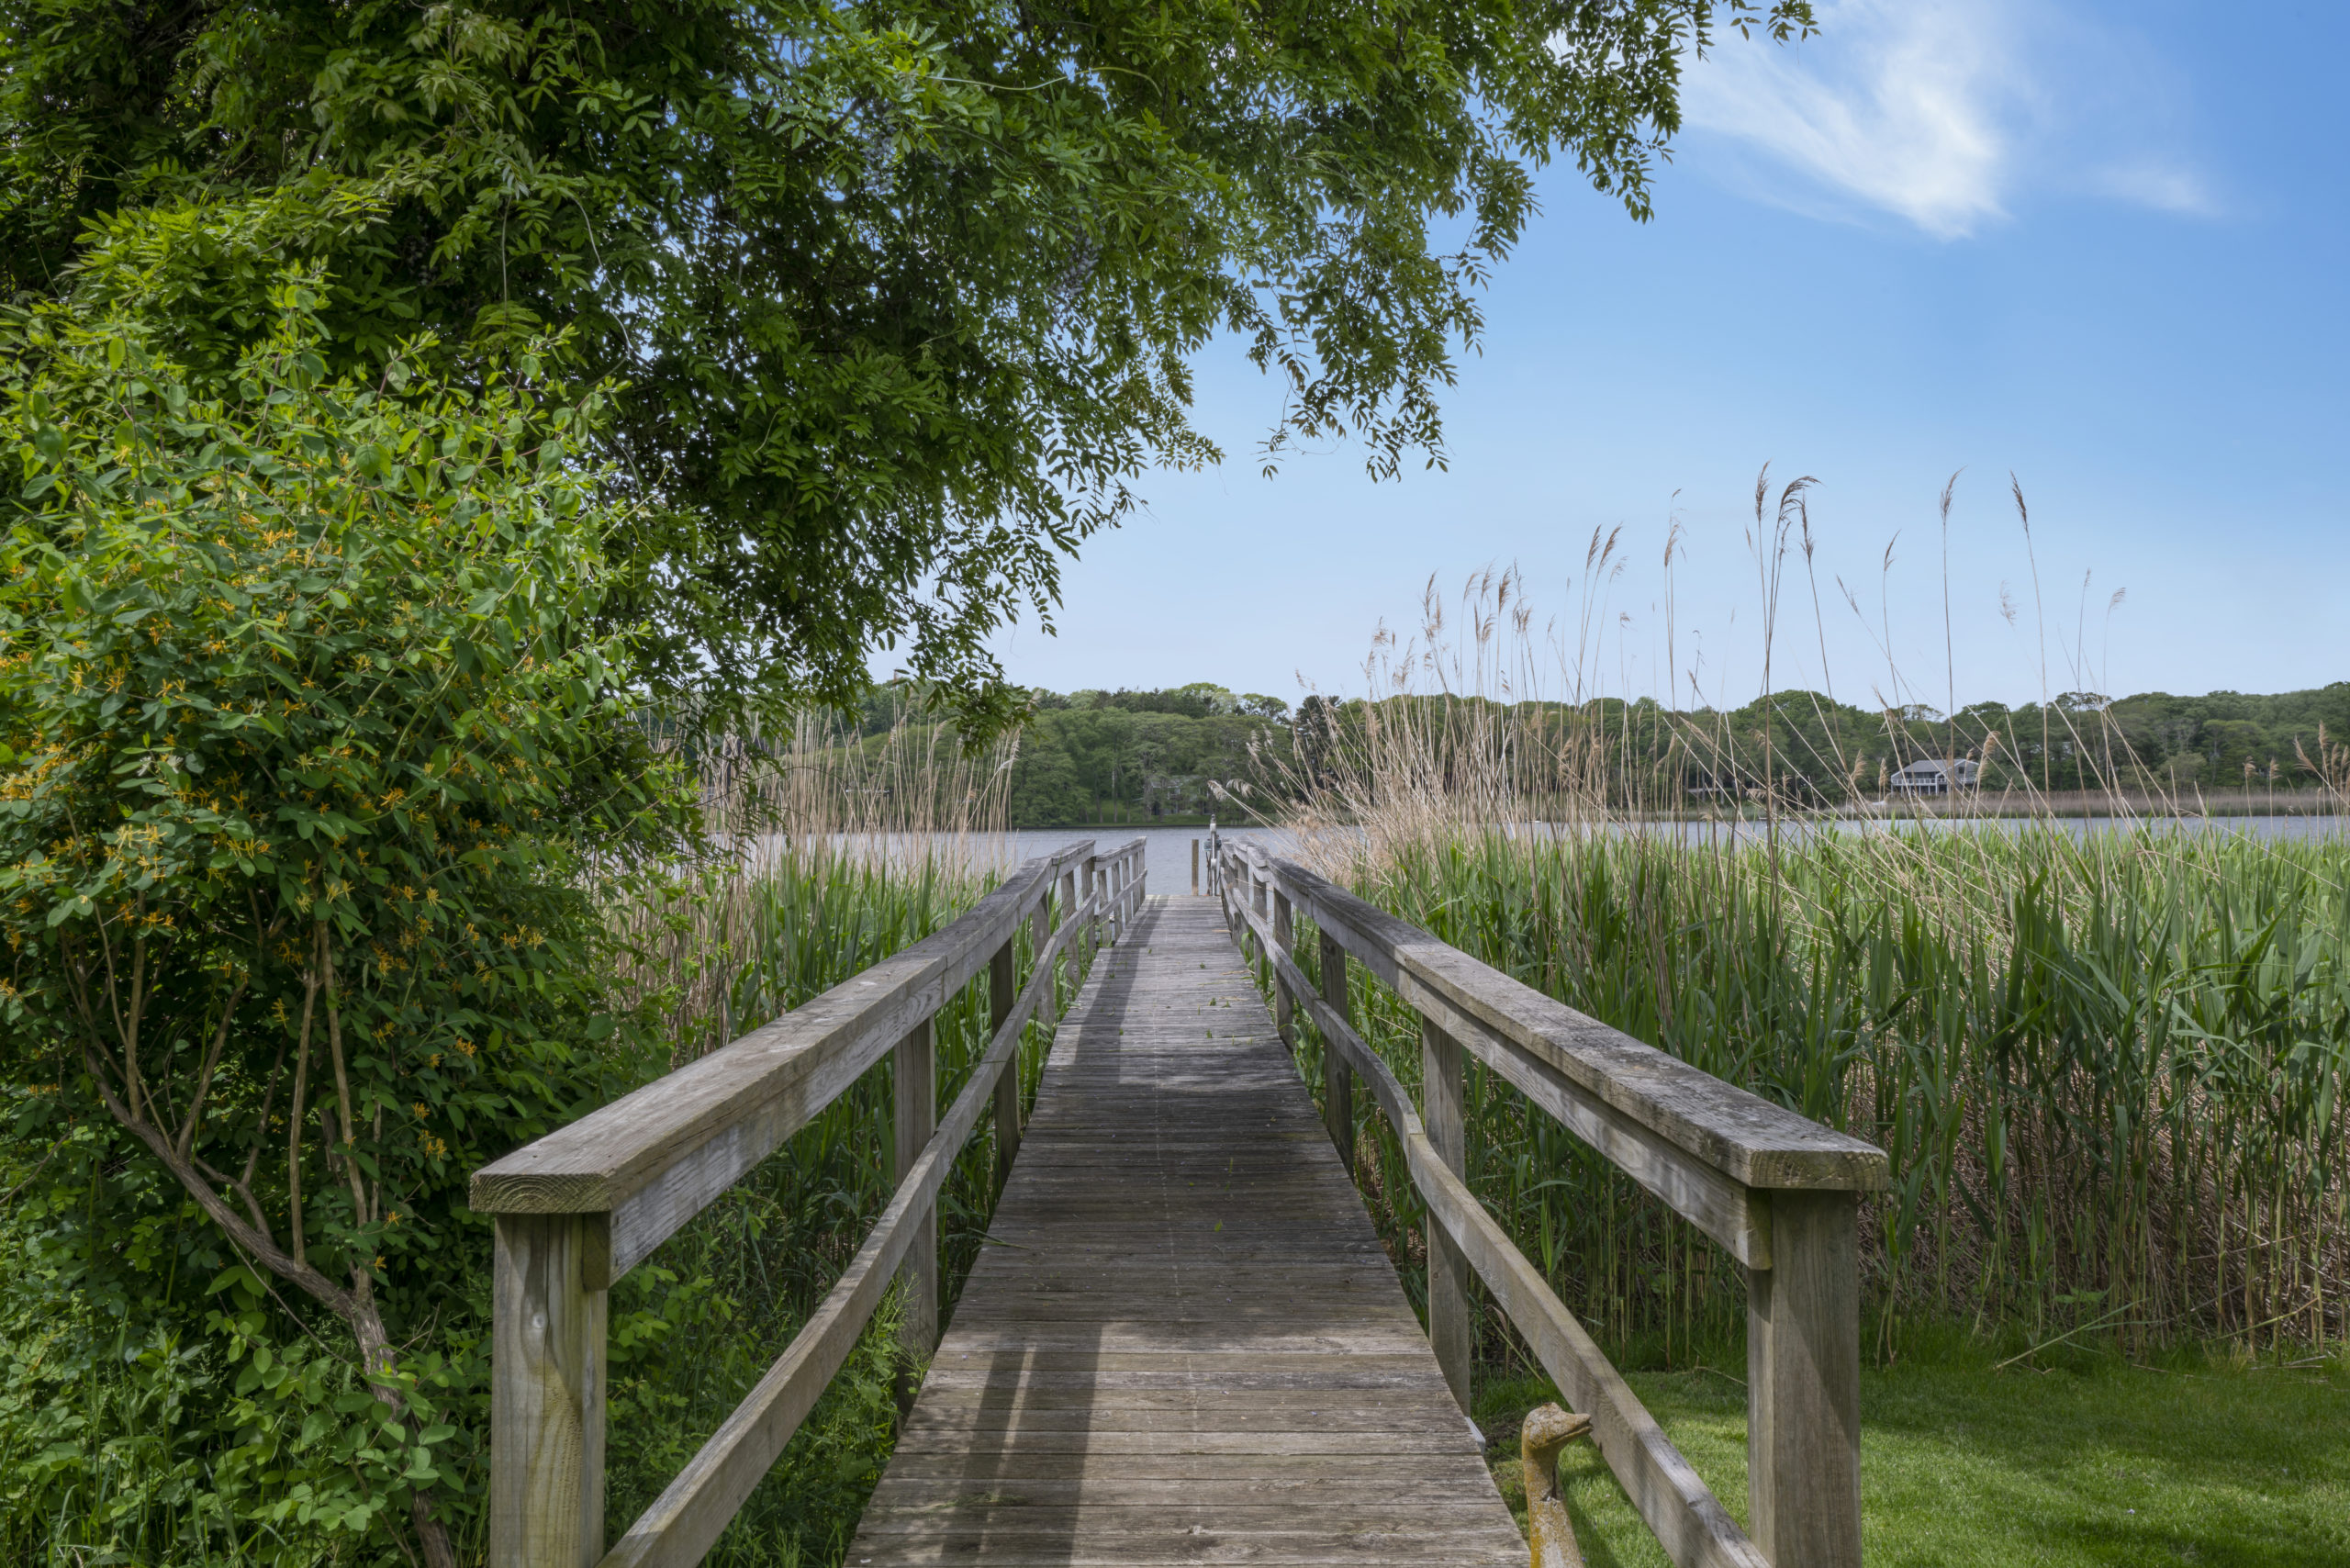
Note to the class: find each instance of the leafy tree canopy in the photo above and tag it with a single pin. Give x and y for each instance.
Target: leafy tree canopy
(902, 295)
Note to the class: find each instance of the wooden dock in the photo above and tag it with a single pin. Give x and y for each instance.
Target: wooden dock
(1184, 1344)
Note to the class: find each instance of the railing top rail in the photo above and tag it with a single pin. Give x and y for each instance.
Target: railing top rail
(577, 1208)
(1743, 1136)
(745, 1096)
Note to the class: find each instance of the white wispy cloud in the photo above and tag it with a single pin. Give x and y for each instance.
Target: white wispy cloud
(2162, 187)
(1941, 111)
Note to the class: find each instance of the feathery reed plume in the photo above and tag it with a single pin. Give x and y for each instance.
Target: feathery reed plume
(821, 803)
(2105, 1063)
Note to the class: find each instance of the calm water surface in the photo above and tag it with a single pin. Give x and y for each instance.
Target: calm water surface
(1167, 852)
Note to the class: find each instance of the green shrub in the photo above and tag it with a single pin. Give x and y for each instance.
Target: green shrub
(314, 777)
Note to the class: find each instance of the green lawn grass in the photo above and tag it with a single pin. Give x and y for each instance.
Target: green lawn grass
(2093, 1461)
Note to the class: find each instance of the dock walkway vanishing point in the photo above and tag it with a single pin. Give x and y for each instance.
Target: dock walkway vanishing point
(1183, 1343)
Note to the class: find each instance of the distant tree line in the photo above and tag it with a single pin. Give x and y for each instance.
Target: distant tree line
(2080, 740)
(1142, 756)
(1183, 752)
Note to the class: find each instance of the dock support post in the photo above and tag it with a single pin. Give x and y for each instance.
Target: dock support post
(1337, 1079)
(1286, 938)
(916, 1067)
(1449, 1331)
(546, 1421)
(1802, 1383)
(1004, 989)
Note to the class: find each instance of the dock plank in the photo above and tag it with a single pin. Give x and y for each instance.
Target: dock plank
(1185, 1344)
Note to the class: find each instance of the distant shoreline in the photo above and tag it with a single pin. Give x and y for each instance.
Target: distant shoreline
(2006, 806)
(2009, 806)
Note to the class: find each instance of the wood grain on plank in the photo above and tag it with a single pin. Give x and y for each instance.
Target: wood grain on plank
(1184, 1343)
(695, 1507)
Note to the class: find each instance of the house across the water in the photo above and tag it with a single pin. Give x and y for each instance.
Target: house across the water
(1936, 776)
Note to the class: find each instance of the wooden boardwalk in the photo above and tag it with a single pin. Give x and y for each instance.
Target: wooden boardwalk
(1185, 1345)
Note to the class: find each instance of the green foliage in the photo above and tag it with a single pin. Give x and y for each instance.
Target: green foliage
(104, 1437)
(2085, 1462)
(2108, 1071)
(313, 780)
(1814, 750)
(1135, 756)
(902, 295)
(107, 1256)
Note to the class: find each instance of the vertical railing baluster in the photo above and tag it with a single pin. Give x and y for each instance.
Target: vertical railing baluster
(1337, 1079)
(1003, 990)
(1092, 882)
(1803, 1384)
(915, 1065)
(1258, 885)
(1441, 1111)
(546, 1460)
(1040, 931)
(1061, 917)
(1286, 938)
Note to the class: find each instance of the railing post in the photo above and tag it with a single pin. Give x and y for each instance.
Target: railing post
(1092, 926)
(547, 1412)
(1441, 1112)
(1337, 1079)
(1803, 1384)
(1003, 990)
(1286, 938)
(916, 1067)
(1068, 951)
(1195, 867)
(1040, 931)
(1257, 883)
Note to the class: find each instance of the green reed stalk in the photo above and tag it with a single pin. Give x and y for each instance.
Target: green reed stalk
(2107, 1069)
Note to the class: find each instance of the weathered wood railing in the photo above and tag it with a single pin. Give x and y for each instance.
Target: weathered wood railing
(578, 1208)
(1781, 1193)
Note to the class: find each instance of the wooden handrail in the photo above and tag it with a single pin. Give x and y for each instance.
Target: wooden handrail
(1778, 1191)
(575, 1210)
(1743, 1137)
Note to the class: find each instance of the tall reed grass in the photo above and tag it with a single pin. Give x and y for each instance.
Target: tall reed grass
(2108, 1065)
(836, 817)
(834, 851)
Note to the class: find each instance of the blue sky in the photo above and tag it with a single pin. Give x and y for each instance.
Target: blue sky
(2104, 248)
